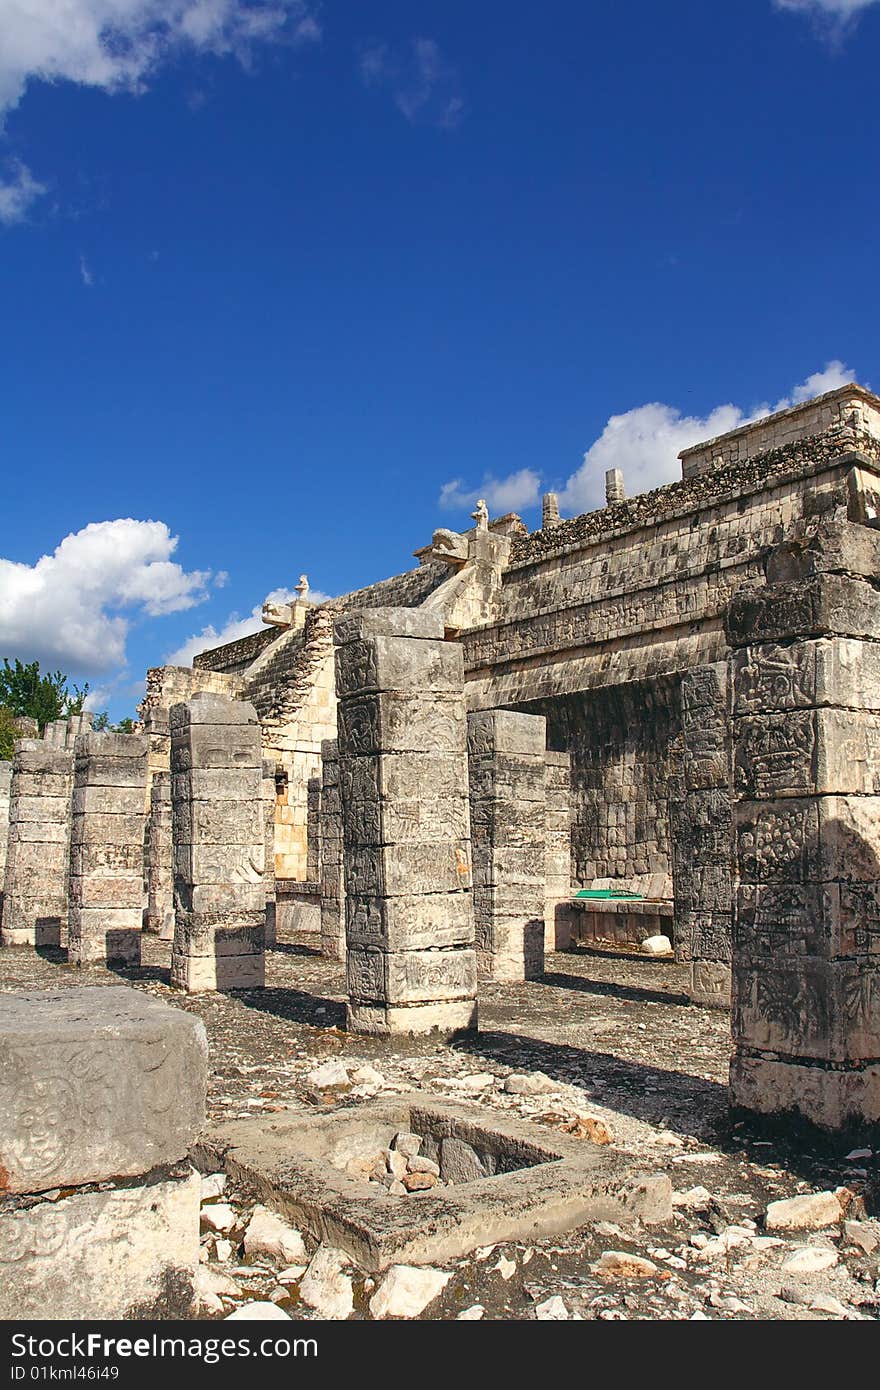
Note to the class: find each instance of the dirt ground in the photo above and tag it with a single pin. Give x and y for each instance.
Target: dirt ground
(619, 1041)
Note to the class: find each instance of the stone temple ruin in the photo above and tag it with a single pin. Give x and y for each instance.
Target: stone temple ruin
(657, 720)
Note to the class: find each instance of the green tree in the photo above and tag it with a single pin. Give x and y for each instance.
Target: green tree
(8, 734)
(24, 690)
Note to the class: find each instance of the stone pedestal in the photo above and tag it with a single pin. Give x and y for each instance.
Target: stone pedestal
(219, 852)
(403, 775)
(702, 837)
(107, 849)
(160, 879)
(507, 775)
(102, 1093)
(332, 871)
(35, 896)
(806, 725)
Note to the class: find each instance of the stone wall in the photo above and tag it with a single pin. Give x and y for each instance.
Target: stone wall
(621, 743)
(847, 406)
(640, 589)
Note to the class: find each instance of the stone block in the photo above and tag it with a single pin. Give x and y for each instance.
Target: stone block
(830, 1098)
(418, 922)
(826, 671)
(446, 1019)
(368, 623)
(96, 1081)
(390, 722)
(130, 1252)
(203, 974)
(207, 708)
(807, 752)
(827, 605)
(411, 977)
(808, 1008)
(402, 870)
(398, 664)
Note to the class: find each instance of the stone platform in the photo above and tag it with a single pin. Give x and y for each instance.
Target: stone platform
(541, 1185)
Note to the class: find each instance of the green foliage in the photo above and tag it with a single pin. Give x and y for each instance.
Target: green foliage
(101, 724)
(8, 734)
(25, 691)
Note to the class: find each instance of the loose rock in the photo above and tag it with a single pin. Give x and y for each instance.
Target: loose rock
(406, 1291)
(325, 1287)
(268, 1235)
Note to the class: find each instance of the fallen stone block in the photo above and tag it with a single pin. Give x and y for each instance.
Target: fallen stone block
(95, 1082)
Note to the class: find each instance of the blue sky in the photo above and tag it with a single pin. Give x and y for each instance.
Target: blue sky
(294, 283)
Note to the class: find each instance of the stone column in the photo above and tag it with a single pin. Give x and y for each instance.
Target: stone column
(5, 789)
(35, 898)
(332, 870)
(160, 885)
(219, 849)
(102, 1093)
(107, 848)
(557, 890)
(403, 776)
(507, 776)
(702, 837)
(268, 789)
(806, 728)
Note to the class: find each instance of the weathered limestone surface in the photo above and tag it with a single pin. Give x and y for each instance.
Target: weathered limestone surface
(5, 789)
(406, 825)
(806, 770)
(95, 1082)
(332, 867)
(268, 791)
(101, 1085)
(701, 819)
(219, 845)
(508, 779)
(128, 1252)
(160, 878)
(35, 897)
(557, 880)
(106, 848)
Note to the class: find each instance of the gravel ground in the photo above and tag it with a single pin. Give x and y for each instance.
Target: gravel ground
(618, 1041)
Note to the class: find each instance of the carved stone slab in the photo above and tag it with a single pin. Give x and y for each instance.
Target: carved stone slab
(95, 1082)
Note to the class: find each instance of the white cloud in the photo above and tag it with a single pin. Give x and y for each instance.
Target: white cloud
(834, 374)
(423, 85)
(85, 273)
(645, 442)
(235, 627)
(833, 19)
(839, 9)
(117, 45)
(73, 607)
(514, 493)
(18, 191)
